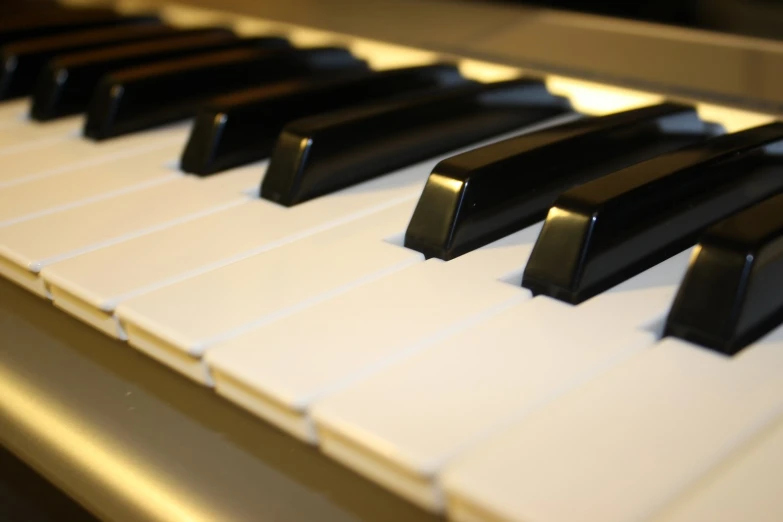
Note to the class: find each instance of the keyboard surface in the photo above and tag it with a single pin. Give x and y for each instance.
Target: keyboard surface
(450, 297)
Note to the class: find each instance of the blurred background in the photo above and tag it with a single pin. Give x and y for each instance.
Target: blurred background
(761, 18)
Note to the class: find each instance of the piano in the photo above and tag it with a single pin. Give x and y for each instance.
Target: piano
(390, 261)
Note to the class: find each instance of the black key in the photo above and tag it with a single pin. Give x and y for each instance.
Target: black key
(484, 194)
(28, 24)
(243, 127)
(67, 83)
(138, 99)
(319, 155)
(732, 293)
(22, 61)
(610, 229)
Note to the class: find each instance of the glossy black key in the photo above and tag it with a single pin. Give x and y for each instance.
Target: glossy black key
(67, 83)
(27, 24)
(319, 155)
(607, 230)
(21, 62)
(243, 127)
(732, 293)
(484, 194)
(141, 98)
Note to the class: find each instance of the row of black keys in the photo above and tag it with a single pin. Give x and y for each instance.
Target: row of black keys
(620, 193)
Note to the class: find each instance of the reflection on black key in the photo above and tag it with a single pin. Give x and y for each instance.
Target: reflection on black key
(612, 228)
(23, 61)
(318, 155)
(68, 82)
(732, 293)
(482, 195)
(243, 127)
(28, 24)
(138, 99)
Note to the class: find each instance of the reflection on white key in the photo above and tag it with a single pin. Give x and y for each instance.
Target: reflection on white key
(262, 288)
(467, 386)
(279, 370)
(51, 194)
(745, 486)
(626, 444)
(29, 246)
(75, 152)
(190, 248)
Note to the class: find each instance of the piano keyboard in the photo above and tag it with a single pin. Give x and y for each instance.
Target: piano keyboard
(501, 296)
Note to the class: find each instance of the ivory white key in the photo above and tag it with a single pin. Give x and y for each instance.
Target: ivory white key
(14, 112)
(519, 359)
(279, 369)
(28, 135)
(197, 246)
(746, 486)
(29, 246)
(626, 444)
(63, 155)
(262, 288)
(49, 194)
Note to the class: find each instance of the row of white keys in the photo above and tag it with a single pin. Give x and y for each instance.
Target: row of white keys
(46, 195)
(627, 444)
(68, 153)
(189, 248)
(280, 369)
(169, 255)
(176, 324)
(456, 392)
(29, 246)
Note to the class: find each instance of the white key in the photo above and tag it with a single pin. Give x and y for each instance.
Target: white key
(187, 249)
(745, 486)
(278, 370)
(263, 288)
(401, 426)
(51, 194)
(22, 164)
(14, 112)
(31, 134)
(626, 444)
(29, 246)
